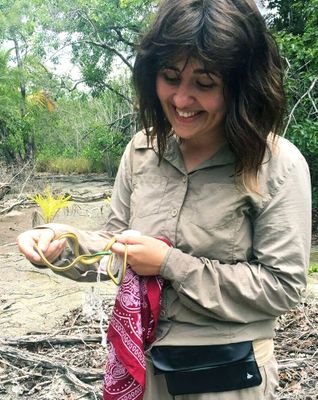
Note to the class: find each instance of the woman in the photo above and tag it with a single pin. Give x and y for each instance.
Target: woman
(211, 174)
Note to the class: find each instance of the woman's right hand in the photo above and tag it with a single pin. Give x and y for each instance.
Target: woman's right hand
(44, 239)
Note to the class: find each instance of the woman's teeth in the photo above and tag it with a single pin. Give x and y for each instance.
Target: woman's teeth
(186, 114)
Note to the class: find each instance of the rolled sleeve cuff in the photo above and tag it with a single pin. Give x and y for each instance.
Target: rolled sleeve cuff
(174, 267)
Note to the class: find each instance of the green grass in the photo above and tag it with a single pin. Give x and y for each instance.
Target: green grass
(78, 165)
(63, 165)
(313, 267)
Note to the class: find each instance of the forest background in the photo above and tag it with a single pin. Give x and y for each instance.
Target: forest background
(64, 123)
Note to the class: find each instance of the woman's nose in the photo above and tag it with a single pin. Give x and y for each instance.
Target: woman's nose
(183, 97)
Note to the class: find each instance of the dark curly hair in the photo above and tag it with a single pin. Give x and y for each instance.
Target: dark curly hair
(229, 37)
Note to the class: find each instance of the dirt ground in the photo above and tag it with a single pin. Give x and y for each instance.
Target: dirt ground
(33, 299)
(51, 328)
(37, 303)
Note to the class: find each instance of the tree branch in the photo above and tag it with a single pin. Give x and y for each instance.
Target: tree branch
(291, 115)
(106, 46)
(107, 86)
(121, 38)
(64, 85)
(100, 42)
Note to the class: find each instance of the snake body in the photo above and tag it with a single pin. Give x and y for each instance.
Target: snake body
(86, 259)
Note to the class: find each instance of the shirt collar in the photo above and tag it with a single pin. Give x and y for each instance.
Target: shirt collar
(223, 156)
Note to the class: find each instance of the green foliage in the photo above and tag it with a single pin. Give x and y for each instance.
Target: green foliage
(313, 268)
(101, 36)
(21, 74)
(95, 129)
(13, 128)
(295, 27)
(289, 15)
(104, 150)
(101, 33)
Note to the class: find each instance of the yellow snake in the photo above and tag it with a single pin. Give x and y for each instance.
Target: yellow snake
(86, 259)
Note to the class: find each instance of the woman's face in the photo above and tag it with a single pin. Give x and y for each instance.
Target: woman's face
(192, 99)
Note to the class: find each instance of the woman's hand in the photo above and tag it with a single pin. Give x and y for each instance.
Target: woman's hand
(44, 239)
(145, 254)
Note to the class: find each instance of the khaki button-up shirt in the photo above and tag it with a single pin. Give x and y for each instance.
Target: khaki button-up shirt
(239, 258)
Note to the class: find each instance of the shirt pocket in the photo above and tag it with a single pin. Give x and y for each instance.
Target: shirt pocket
(147, 195)
(212, 206)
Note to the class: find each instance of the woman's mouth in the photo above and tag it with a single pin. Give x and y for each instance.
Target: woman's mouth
(186, 114)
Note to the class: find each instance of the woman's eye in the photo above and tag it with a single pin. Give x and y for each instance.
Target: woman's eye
(206, 85)
(171, 78)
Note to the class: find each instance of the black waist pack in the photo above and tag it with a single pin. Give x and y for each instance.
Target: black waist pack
(205, 369)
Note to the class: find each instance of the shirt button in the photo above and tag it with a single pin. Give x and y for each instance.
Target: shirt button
(184, 179)
(174, 212)
(162, 313)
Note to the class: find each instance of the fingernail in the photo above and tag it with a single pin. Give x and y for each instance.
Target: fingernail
(36, 257)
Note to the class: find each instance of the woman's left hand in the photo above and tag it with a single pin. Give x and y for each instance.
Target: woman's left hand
(145, 254)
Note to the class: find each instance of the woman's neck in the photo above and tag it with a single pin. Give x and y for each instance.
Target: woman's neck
(195, 153)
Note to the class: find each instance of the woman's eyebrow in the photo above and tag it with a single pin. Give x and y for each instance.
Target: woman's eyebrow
(199, 71)
(171, 67)
(203, 71)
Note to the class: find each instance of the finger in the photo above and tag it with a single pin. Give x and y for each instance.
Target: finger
(118, 248)
(46, 237)
(26, 241)
(131, 239)
(55, 248)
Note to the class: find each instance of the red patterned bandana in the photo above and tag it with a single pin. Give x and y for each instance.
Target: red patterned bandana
(132, 327)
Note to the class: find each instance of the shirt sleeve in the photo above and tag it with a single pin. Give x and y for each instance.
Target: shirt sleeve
(271, 282)
(94, 241)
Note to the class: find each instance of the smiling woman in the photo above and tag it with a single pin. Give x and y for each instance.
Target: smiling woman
(192, 99)
(210, 177)
(232, 42)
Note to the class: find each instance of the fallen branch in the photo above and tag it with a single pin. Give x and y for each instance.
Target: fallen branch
(300, 363)
(67, 329)
(84, 374)
(39, 386)
(68, 375)
(62, 339)
(93, 197)
(9, 244)
(8, 209)
(20, 378)
(312, 353)
(77, 382)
